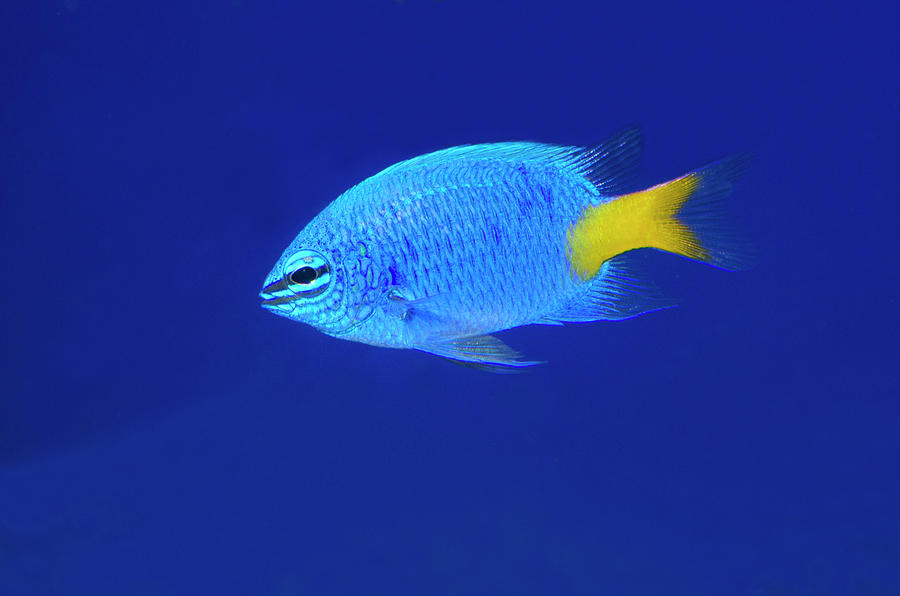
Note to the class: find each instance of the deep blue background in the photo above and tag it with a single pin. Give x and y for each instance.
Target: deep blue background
(162, 434)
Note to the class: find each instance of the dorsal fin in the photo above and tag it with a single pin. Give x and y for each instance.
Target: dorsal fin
(611, 166)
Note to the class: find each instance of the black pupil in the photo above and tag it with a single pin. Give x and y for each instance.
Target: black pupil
(303, 275)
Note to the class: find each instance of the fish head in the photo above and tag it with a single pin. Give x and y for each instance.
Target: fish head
(305, 285)
(327, 280)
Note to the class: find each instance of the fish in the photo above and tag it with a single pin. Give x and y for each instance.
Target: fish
(440, 252)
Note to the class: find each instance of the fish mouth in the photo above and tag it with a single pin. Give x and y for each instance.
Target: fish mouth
(276, 296)
(281, 303)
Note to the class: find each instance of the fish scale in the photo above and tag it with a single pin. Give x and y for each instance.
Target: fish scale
(438, 252)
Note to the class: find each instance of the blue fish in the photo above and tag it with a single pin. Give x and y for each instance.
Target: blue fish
(439, 252)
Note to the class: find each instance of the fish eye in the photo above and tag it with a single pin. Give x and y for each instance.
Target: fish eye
(304, 275)
(307, 273)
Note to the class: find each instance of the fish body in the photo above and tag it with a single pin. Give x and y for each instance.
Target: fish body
(438, 252)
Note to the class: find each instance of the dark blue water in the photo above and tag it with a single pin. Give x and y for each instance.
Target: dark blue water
(161, 434)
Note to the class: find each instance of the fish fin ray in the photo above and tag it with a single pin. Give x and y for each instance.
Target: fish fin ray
(611, 166)
(547, 321)
(430, 308)
(684, 216)
(705, 213)
(475, 349)
(500, 369)
(619, 291)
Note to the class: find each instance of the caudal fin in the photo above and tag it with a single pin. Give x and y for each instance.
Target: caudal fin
(685, 216)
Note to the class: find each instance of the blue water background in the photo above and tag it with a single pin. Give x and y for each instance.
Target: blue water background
(162, 434)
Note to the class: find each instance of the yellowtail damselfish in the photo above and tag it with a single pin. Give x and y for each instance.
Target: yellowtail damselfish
(438, 252)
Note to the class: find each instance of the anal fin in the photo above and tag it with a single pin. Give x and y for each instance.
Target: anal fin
(618, 291)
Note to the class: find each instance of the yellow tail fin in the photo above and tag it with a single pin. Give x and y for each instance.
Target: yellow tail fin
(682, 216)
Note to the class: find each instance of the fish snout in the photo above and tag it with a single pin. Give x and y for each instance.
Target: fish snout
(276, 297)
